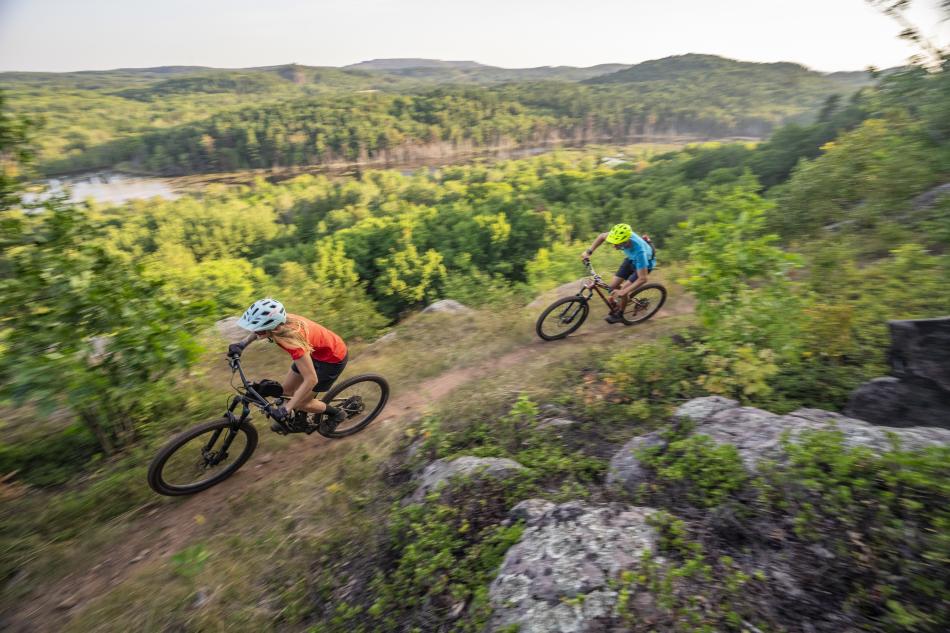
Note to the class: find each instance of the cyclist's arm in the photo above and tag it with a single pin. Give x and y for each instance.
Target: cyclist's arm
(236, 349)
(593, 247)
(309, 375)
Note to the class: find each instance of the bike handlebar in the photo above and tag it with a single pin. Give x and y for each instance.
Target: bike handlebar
(235, 363)
(590, 269)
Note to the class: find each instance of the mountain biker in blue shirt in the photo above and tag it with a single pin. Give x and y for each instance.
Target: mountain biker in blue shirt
(633, 272)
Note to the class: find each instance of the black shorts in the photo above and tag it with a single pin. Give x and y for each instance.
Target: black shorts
(628, 269)
(327, 373)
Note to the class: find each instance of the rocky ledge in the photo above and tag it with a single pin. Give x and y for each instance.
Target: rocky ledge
(758, 434)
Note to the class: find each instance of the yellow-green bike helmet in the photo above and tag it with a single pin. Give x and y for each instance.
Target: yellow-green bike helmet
(619, 234)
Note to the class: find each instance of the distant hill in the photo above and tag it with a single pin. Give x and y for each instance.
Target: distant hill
(697, 67)
(410, 62)
(178, 119)
(440, 71)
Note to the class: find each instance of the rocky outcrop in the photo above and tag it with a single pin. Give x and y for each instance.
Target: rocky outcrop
(918, 390)
(439, 472)
(757, 434)
(450, 306)
(557, 578)
(931, 197)
(556, 424)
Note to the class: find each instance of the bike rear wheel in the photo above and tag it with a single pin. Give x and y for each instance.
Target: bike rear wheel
(362, 398)
(202, 457)
(562, 317)
(644, 303)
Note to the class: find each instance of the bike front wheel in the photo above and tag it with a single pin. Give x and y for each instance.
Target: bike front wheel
(202, 457)
(362, 398)
(644, 303)
(562, 318)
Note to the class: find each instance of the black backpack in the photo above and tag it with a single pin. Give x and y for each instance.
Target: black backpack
(646, 238)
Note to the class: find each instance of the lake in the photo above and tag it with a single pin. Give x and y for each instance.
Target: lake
(107, 188)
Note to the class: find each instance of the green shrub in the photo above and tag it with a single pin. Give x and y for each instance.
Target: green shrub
(50, 459)
(644, 381)
(707, 473)
(882, 518)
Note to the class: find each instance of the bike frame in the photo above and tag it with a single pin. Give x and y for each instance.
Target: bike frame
(246, 399)
(594, 284)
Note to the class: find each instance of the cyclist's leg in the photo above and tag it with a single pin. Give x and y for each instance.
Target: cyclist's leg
(628, 283)
(327, 374)
(291, 381)
(626, 275)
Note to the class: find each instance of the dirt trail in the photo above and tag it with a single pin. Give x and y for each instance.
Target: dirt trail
(155, 533)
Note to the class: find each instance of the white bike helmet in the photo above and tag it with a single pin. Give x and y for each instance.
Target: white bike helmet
(265, 314)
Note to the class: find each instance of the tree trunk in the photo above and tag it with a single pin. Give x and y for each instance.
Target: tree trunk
(91, 421)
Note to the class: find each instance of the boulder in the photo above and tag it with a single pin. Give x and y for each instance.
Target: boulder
(450, 306)
(558, 577)
(918, 390)
(439, 472)
(625, 469)
(757, 434)
(701, 409)
(920, 349)
(890, 401)
(530, 511)
(388, 337)
(549, 296)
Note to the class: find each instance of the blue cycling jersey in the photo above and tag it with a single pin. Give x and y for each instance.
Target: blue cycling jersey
(640, 253)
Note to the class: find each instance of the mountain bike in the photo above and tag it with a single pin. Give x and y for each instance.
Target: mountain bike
(211, 452)
(565, 315)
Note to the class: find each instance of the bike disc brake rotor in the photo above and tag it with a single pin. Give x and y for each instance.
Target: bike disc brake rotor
(210, 459)
(353, 406)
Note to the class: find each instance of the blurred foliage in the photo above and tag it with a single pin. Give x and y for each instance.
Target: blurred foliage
(83, 329)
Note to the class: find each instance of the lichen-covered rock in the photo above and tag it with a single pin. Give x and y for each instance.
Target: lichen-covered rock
(625, 469)
(701, 409)
(441, 471)
(555, 424)
(450, 306)
(757, 434)
(530, 510)
(557, 578)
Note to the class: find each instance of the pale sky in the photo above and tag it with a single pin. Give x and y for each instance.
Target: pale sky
(828, 35)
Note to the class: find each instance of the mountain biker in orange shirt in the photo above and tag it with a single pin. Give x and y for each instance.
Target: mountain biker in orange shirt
(633, 272)
(325, 352)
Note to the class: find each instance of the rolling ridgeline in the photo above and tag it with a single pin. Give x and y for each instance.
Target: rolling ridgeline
(624, 450)
(184, 120)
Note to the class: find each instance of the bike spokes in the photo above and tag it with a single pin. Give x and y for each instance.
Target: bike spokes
(357, 401)
(644, 304)
(204, 457)
(561, 318)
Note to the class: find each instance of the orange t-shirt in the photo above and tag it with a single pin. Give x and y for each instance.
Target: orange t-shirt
(327, 346)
